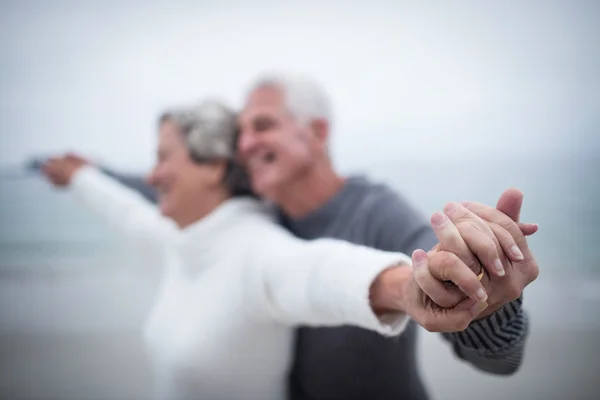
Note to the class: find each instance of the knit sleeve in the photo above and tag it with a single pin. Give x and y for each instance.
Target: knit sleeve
(323, 282)
(134, 182)
(494, 344)
(124, 208)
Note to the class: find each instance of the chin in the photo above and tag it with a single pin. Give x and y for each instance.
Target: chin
(165, 209)
(266, 188)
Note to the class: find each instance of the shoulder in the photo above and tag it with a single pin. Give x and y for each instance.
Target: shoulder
(258, 222)
(381, 202)
(391, 220)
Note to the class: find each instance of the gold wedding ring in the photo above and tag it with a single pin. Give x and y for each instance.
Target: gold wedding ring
(480, 276)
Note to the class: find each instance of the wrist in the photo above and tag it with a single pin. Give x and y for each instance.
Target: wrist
(507, 309)
(387, 291)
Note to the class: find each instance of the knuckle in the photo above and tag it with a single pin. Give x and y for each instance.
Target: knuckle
(425, 322)
(430, 325)
(463, 323)
(447, 265)
(495, 241)
(500, 232)
(512, 229)
(514, 291)
(458, 211)
(534, 272)
(508, 224)
(468, 282)
(450, 206)
(491, 247)
(474, 224)
(446, 301)
(473, 265)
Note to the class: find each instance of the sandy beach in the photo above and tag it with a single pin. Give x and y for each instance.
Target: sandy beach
(76, 336)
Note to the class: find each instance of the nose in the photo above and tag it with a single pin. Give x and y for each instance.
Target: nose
(246, 142)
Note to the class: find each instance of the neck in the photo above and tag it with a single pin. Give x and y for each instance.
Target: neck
(310, 191)
(200, 209)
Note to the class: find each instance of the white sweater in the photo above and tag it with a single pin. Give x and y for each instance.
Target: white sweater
(235, 285)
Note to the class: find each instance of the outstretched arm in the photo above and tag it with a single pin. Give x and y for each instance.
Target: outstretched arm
(323, 282)
(121, 206)
(132, 181)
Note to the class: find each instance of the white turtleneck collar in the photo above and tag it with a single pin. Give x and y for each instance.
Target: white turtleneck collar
(224, 215)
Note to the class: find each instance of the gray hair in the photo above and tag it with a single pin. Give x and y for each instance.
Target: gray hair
(211, 133)
(305, 98)
(210, 129)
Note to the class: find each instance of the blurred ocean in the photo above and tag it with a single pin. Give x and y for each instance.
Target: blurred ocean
(41, 227)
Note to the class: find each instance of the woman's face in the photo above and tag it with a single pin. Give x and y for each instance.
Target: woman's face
(182, 184)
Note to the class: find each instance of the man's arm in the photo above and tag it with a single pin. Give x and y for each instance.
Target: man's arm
(133, 182)
(493, 344)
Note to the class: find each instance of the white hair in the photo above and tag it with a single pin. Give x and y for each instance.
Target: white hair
(304, 97)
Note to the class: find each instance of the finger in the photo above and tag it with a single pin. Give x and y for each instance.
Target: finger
(493, 215)
(73, 156)
(446, 266)
(52, 177)
(510, 203)
(76, 158)
(56, 164)
(528, 229)
(454, 319)
(473, 308)
(49, 167)
(478, 236)
(506, 242)
(443, 295)
(54, 170)
(452, 241)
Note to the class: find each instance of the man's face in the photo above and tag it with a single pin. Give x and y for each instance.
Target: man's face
(273, 146)
(181, 184)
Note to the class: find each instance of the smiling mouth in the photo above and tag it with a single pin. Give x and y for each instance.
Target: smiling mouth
(258, 162)
(269, 158)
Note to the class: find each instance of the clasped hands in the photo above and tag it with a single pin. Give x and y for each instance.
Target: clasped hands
(481, 263)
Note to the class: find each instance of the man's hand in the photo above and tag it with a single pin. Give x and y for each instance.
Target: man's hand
(60, 170)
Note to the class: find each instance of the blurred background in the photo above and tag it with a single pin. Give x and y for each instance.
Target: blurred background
(443, 100)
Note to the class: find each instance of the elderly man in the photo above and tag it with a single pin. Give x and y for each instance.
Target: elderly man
(285, 127)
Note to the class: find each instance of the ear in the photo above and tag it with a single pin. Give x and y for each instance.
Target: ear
(320, 131)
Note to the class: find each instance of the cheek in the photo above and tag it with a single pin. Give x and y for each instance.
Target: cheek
(191, 181)
(298, 152)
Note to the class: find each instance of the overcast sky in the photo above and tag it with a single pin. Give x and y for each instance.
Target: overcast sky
(408, 79)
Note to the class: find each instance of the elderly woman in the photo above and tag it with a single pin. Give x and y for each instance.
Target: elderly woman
(235, 283)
